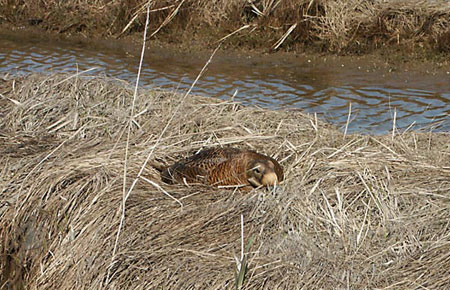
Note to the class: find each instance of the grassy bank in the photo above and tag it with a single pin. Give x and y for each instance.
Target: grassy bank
(326, 25)
(355, 211)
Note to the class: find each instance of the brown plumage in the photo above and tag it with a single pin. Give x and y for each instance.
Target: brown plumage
(225, 166)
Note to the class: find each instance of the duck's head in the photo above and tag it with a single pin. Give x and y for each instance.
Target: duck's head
(265, 173)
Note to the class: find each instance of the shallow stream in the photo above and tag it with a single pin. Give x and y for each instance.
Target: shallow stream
(324, 85)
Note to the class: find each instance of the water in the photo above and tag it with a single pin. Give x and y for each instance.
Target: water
(315, 85)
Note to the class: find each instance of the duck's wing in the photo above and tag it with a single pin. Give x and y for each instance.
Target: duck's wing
(182, 173)
(210, 158)
(232, 171)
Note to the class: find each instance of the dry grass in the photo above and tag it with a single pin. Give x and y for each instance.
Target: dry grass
(329, 25)
(354, 212)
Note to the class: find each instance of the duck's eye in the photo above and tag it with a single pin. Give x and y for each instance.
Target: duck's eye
(257, 170)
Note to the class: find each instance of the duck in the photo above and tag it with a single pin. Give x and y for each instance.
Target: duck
(226, 167)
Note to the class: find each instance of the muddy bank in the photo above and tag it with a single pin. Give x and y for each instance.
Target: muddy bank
(337, 26)
(418, 91)
(354, 211)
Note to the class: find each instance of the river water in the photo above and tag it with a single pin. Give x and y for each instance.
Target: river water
(325, 85)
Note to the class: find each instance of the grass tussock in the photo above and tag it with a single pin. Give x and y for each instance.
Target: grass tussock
(355, 211)
(326, 25)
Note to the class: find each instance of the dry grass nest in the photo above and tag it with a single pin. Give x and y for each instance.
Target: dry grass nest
(354, 211)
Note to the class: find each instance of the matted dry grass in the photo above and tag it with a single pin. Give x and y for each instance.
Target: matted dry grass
(328, 25)
(354, 212)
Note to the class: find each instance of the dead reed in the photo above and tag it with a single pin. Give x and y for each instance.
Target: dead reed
(325, 25)
(354, 212)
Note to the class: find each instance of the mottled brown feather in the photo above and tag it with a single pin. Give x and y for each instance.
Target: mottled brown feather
(220, 166)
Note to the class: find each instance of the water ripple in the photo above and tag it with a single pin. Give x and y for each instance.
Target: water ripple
(373, 106)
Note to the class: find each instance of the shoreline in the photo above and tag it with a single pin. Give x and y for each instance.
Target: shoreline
(414, 30)
(389, 62)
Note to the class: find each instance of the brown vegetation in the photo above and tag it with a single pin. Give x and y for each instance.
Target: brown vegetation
(354, 211)
(327, 25)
